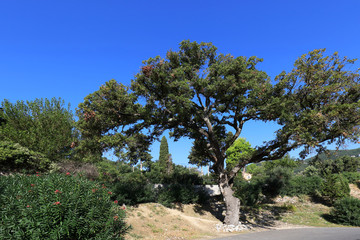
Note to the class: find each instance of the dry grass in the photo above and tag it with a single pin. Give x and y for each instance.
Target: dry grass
(153, 221)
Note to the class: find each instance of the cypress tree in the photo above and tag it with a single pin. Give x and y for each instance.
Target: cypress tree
(164, 153)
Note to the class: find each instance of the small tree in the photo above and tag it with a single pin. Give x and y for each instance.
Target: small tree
(44, 126)
(206, 96)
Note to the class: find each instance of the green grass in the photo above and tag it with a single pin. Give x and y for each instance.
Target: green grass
(309, 215)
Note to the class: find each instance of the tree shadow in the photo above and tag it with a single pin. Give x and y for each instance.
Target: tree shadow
(328, 217)
(214, 206)
(178, 206)
(262, 217)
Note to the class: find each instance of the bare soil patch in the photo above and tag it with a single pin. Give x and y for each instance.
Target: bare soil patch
(354, 191)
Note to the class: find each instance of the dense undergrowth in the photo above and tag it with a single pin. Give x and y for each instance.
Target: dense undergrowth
(58, 206)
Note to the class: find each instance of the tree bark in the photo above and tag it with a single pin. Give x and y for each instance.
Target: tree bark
(232, 203)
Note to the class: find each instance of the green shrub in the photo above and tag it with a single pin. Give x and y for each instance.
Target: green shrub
(347, 211)
(178, 193)
(276, 179)
(352, 177)
(210, 179)
(302, 185)
(57, 206)
(334, 187)
(14, 157)
(179, 174)
(249, 193)
(132, 189)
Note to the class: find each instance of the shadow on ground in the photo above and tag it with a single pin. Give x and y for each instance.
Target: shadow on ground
(216, 208)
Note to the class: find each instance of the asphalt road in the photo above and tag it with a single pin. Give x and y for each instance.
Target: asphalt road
(301, 234)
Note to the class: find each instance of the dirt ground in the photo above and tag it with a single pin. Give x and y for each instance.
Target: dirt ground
(354, 191)
(152, 221)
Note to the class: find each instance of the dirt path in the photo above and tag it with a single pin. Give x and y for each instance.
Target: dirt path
(354, 191)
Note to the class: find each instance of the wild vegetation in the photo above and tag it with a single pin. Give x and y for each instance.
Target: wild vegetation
(197, 93)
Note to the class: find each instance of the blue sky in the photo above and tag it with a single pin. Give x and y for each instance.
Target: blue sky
(68, 49)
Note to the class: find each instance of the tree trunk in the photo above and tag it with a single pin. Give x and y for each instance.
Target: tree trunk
(232, 203)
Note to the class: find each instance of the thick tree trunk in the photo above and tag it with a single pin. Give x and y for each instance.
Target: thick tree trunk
(232, 203)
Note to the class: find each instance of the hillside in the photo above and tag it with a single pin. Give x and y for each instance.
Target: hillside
(333, 154)
(330, 154)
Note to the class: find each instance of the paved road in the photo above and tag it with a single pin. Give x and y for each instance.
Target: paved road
(301, 234)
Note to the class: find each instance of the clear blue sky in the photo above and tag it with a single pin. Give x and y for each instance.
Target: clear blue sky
(68, 48)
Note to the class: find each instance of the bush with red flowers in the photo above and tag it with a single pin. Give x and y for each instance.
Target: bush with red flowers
(58, 206)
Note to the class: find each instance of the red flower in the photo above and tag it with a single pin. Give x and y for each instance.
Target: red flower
(37, 175)
(116, 218)
(27, 205)
(94, 190)
(109, 192)
(32, 185)
(57, 191)
(68, 174)
(57, 203)
(116, 201)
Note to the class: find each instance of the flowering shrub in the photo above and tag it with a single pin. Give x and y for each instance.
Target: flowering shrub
(57, 206)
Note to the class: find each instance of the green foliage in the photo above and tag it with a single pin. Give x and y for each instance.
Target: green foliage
(110, 171)
(346, 211)
(285, 162)
(164, 152)
(180, 175)
(14, 157)
(351, 164)
(241, 150)
(302, 185)
(254, 169)
(336, 165)
(333, 154)
(249, 192)
(44, 126)
(179, 193)
(334, 187)
(198, 93)
(133, 188)
(311, 171)
(210, 179)
(57, 207)
(351, 177)
(100, 117)
(275, 180)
